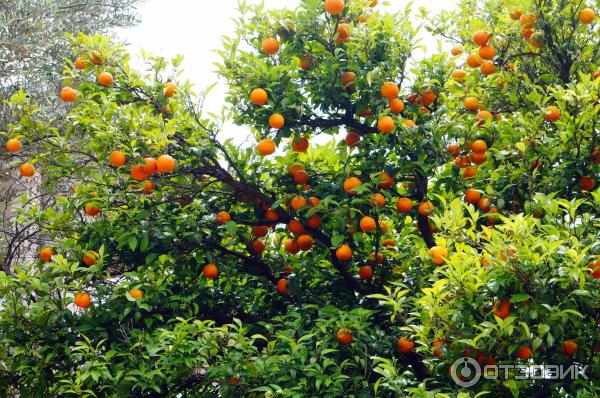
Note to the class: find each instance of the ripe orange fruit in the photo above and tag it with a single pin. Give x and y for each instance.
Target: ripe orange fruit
(165, 164)
(383, 227)
(459, 74)
(301, 177)
(404, 205)
(462, 162)
(291, 245)
(343, 33)
(352, 139)
(105, 79)
(483, 116)
(481, 38)
(82, 300)
(169, 89)
(305, 62)
(526, 32)
(595, 268)
(487, 52)
(276, 121)
(295, 226)
(502, 309)
(150, 166)
(596, 155)
(13, 145)
(569, 347)
(385, 124)
(371, 260)
(552, 114)
(478, 158)
(266, 147)
(343, 253)
(586, 183)
(67, 94)
(299, 144)
(438, 352)
(536, 39)
(469, 171)
(425, 208)
(377, 200)
(484, 204)
(487, 68)
(282, 286)
(79, 63)
(210, 271)
(136, 294)
(471, 103)
(456, 51)
(454, 149)
(366, 112)
(367, 224)
(344, 336)
(90, 258)
(91, 210)
(222, 217)
(258, 96)
(334, 7)
(294, 168)
(428, 97)
(472, 196)
(117, 158)
(474, 60)
(479, 146)
(390, 90)
(46, 254)
(388, 243)
(388, 180)
(270, 46)
(587, 16)
(258, 247)
(524, 352)
(365, 272)
(260, 231)
(314, 221)
(350, 183)
(148, 187)
(405, 345)
(527, 20)
(298, 202)
(409, 123)
(271, 215)
(138, 174)
(515, 13)
(396, 105)
(438, 253)
(96, 57)
(305, 242)
(348, 79)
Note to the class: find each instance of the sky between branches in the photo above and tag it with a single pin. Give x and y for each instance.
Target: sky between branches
(194, 29)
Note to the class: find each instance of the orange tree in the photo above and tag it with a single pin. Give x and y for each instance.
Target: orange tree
(179, 263)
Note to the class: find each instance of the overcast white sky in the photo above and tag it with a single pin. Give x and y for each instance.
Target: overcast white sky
(194, 29)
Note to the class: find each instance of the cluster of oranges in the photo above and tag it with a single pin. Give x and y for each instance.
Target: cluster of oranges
(163, 164)
(469, 161)
(13, 145)
(89, 258)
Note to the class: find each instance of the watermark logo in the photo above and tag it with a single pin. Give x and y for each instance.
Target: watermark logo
(466, 372)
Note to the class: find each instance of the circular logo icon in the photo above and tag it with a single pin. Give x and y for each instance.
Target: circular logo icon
(465, 372)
